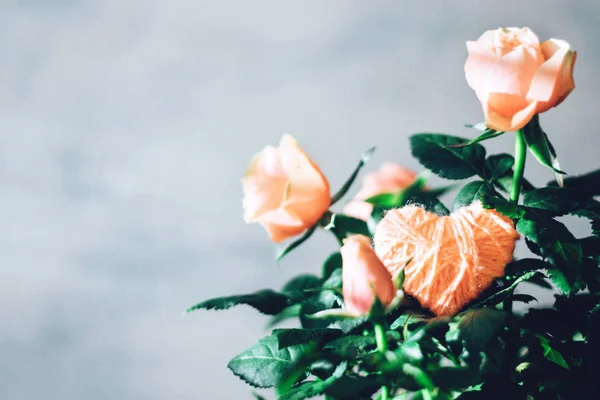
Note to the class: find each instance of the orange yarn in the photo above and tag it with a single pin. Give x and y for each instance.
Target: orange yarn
(452, 259)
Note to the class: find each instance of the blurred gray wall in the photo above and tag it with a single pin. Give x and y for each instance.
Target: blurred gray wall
(126, 125)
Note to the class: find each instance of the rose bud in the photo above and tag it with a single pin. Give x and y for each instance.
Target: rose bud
(364, 276)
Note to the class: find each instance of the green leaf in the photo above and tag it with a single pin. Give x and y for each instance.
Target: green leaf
(285, 314)
(282, 251)
(264, 364)
(323, 301)
(407, 320)
(551, 354)
(295, 336)
(587, 184)
(555, 200)
(554, 239)
(266, 301)
(591, 275)
(344, 189)
(472, 191)
(399, 198)
(420, 376)
(411, 350)
(307, 390)
(504, 183)
(539, 145)
(564, 281)
(592, 360)
(557, 245)
(355, 387)
(429, 203)
(515, 269)
(334, 281)
(498, 165)
(540, 281)
(503, 294)
(344, 226)
(478, 327)
(486, 135)
(351, 346)
(348, 325)
(414, 194)
(434, 152)
(298, 370)
(454, 377)
(333, 262)
(302, 287)
(503, 206)
(258, 396)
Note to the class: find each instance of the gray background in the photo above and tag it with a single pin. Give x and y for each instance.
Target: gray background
(125, 127)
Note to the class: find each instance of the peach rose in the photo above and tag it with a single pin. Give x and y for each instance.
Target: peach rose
(284, 190)
(363, 276)
(515, 77)
(390, 178)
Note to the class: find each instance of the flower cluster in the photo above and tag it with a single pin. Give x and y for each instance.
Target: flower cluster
(417, 301)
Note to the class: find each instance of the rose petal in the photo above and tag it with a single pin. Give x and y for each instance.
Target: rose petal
(306, 179)
(554, 78)
(513, 73)
(311, 210)
(389, 178)
(263, 184)
(506, 104)
(500, 122)
(480, 62)
(279, 233)
(281, 224)
(358, 209)
(525, 36)
(364, 276)
(568, 84)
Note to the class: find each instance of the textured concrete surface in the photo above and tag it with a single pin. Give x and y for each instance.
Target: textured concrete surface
(125, 127)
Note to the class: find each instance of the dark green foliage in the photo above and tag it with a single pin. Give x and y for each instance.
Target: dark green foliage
(473, 191)
(439, 154)
(484, 352)
(266, 301)
(263, 364)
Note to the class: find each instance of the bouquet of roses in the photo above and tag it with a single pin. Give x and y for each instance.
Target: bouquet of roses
(417, 303)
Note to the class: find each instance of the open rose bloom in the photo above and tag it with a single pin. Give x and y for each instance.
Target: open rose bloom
(390, 178)
(515, 76)
(284, 190)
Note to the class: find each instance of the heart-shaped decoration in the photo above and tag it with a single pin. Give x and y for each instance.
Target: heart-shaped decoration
(452, 259)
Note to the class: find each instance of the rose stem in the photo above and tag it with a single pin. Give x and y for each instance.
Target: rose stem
(382, 347)
(520, 157)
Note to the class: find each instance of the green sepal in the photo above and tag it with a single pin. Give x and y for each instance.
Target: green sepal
(539, 145)
(282, 251)
(486, 135)
(346, 186)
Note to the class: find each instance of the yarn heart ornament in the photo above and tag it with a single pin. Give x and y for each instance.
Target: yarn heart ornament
(448, 261)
